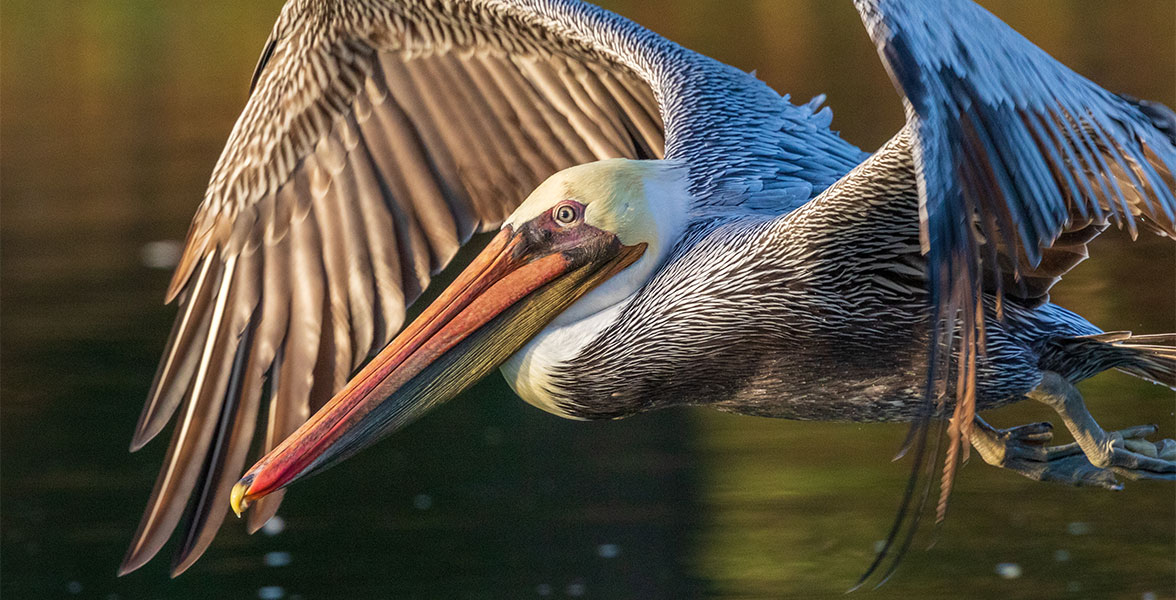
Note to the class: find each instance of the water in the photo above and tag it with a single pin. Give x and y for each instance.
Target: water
(113, 114)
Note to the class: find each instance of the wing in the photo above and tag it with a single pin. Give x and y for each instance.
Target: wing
(1019, 162)
(378, 137)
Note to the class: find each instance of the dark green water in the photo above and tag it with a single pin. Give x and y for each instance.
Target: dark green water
(113, 113)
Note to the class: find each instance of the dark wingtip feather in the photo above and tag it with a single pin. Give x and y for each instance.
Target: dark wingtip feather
(904, 518)
(174, 376)
(1161, 117)
(140, 439)
(130, 563)
(192, 256)
(266, 55)
(149, 425)
(226, 456)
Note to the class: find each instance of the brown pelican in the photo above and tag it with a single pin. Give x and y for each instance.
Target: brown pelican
(688, 236)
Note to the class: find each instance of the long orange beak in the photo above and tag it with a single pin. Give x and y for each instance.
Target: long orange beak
(510, 292)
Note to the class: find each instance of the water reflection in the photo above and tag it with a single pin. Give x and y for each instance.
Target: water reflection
(113, 113)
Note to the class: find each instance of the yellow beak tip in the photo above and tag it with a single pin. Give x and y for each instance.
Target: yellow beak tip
(237, 497)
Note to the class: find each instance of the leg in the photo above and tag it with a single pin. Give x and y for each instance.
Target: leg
(1125, 452)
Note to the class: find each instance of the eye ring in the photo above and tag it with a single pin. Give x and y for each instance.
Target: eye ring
(566, 213)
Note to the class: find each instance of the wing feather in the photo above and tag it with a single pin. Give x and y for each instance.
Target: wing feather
(336, 321)
(443, 215)
(635, 102)
(233, 436)
(561, 115)
(180, 358)
(534, 116)
(192, 436)
(293, 370)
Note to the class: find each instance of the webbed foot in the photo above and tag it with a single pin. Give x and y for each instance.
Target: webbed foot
(1095, 457)
(1023, 450)
(1127, 452)
(1134, 456)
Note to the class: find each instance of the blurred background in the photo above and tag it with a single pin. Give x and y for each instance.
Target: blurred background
(114, 112)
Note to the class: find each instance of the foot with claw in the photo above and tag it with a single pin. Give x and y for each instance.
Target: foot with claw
(1128, 452)
(1136, 457)
(1024, 450)
(1093, 459)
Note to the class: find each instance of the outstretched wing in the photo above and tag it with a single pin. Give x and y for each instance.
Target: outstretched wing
(1015, 153)
(378, 137)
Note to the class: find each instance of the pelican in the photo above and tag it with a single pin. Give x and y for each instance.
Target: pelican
(670, 231)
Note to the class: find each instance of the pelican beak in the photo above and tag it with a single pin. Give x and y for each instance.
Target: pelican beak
(511, 291)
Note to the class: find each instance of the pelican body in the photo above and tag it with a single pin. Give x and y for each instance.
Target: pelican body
(836, 282)
(670, 232)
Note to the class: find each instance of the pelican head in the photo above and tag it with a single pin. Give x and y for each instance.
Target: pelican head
(585, 239)
(641, 202)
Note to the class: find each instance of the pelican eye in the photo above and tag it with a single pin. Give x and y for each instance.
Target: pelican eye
(566, 213)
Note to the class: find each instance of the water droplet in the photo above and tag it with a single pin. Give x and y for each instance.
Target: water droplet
(276, 559)
(1008, 570)
(543, 589)
(422, 502)
(74, 587)
(163, 254)
(1148, 596)
(1061, 555)
(271, 592)
(575, 589)
(1078, 528)
(879, 545)
(274, 526)
(608, 550)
